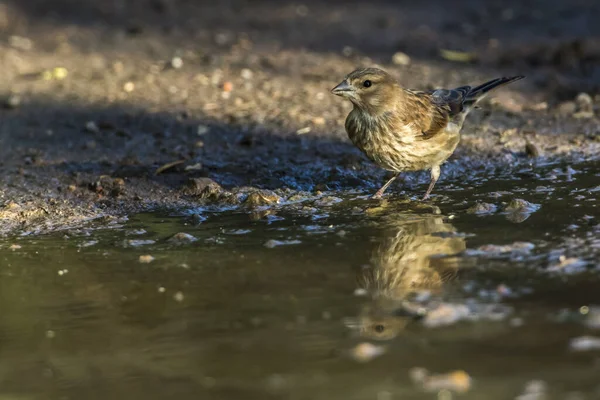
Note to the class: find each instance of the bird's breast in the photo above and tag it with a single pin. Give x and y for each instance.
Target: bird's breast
(398, 147)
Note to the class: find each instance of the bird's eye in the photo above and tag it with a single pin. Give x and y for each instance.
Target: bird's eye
(379, 328)
(367, 83)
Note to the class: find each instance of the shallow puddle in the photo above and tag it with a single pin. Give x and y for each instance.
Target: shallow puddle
(338, 298)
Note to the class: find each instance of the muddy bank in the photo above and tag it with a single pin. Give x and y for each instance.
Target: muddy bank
(113, 109)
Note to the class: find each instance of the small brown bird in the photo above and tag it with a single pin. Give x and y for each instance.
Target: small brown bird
(407, 130)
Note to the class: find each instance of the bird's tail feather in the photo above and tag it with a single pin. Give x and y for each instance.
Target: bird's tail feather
(479, 92)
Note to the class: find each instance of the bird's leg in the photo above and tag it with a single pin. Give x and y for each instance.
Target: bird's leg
(435, 174)
(379, 193)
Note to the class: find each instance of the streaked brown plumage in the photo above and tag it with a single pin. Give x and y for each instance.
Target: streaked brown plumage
(407, 130)
(413, 255)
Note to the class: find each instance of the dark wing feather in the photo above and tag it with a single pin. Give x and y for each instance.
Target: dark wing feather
(453, 98)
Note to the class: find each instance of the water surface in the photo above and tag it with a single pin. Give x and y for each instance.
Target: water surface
(271, 304)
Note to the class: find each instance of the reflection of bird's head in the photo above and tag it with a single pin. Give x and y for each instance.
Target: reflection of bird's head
(405, 263)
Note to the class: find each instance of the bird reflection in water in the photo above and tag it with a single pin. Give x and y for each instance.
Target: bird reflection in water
(415, 256)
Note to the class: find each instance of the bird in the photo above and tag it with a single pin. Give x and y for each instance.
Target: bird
(402, 129)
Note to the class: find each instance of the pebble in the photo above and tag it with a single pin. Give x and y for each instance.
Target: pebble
(269, 244)
(20, 42)
(139, 242)
(92, 127)
(178, 297)
(585, 343)
(246, 74)
(534, 390)
(520, 205)
(401, 58)
(570, 265)
(482, 209)
(456, 381)
(567, 108)
(592, 319)
(146, 259)
(176, 62)
(13, 101)
(129, 87)
(365, 352)
(446, 314)
(181, 238)
(495, 250)
(584, 103)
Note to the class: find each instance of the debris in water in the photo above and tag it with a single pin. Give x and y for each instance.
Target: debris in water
(139, 242)
(570, 265)
(457, 381)
(365, 351)
(181, 238)
(178, 297)
(492, 250)
(446, 314)
(482, 208)
(592, 316)
(585, 343)
(274, 243)
(146, 259)
(534, 390)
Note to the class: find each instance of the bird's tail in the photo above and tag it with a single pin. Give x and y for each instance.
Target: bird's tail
(479, 92)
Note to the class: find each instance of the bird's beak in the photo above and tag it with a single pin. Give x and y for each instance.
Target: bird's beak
(343, 89)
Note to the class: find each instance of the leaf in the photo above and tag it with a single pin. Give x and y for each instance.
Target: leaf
(457, 56)
(168, 166)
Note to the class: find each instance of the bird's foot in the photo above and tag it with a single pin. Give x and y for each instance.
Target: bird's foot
(377, 196)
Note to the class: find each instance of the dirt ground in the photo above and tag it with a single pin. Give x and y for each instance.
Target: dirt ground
(98, 95)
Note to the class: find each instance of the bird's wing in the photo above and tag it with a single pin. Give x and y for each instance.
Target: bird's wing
(431, 111)
(452, 98)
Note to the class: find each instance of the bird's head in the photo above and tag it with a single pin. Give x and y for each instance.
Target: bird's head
(371, 89)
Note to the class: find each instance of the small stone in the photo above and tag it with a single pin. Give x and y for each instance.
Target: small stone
(227, 87)
(247, 74)
(520, 205)
(269, 244)
(303, 131)
(92, 127)
(261, 198)
(446, 314)
(202, 130)
(567, 108)
(178, 297)
(20, 42)
(365, 351)
(146, 259)
(204, 188)
(482, 209)
(139, 242)
(129, 87)
(457, 381)
(584, 102)
(585, 343)
(176, 62)
(13, 101)
(401, 58)
(182, 238)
